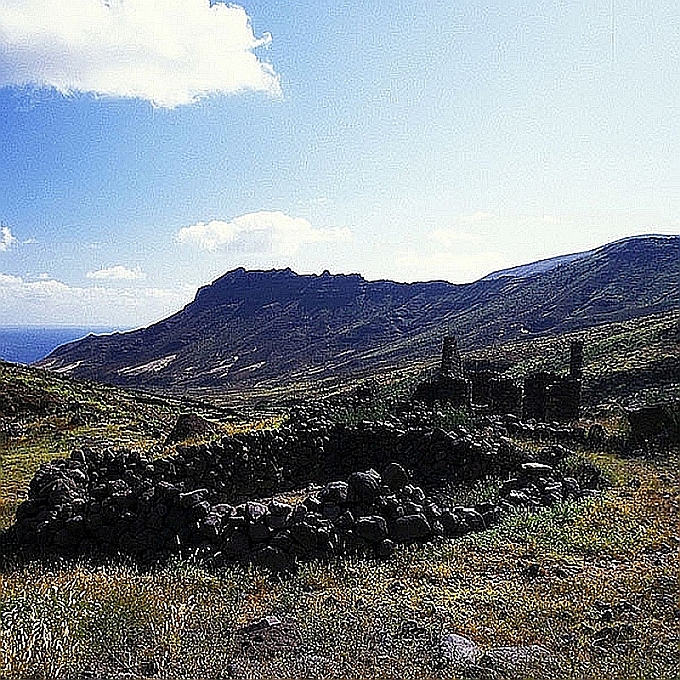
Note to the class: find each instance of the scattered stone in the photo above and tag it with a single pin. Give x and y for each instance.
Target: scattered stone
(255, 511)
(192, 498)
(410, 528)
(395, 477)
(334, 493)
(269, 636)
(372, 528)
(537, 470)
(459, 651)
(363, 488)
(495, 662)
(385, 548)
(190, 425)
(516, 661)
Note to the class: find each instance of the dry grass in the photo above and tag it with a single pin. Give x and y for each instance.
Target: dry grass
(594, 582)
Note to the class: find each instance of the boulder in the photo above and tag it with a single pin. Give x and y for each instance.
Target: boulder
(372, 528)
(274, 558)
(536, 470)
(334, 493)
(409, 528)
(192, 498)
(471, 517)
(255, 512)
(345, 521)
(459, 651)
(259, 532)
(305, 535)
(385, 548)
(363, 487)
(269, 635)
(395, 477)
(279, 516)
(190, 425)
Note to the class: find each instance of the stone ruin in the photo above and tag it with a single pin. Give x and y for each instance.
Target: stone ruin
(551, 397)
(499, 394)
(449, 384)
(544, 396)
(654, 424)
(452, 364)
(200, 501)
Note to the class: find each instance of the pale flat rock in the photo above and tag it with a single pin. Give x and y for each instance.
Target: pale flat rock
(514, 660)
(459, 650)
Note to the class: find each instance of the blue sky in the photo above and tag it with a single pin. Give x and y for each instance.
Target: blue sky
(148, 147)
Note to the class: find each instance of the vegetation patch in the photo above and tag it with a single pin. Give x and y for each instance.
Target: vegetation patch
(593, 582)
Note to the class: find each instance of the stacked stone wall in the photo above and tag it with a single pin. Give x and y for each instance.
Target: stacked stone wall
(202, 498)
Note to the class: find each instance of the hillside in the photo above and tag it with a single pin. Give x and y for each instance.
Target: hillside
(44, 416)
(273, 327)
(577, 589)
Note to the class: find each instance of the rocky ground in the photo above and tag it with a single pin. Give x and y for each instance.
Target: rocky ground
(412, 542)
(124, 502)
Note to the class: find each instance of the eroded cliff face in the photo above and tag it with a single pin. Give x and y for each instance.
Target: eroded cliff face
(250, 327)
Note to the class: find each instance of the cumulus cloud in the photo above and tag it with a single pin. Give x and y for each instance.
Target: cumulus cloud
(465, 229)
(48, 300)
(7, 280)
(478, 227)
(6, 238)
(118, 272)
(460, 267)
(169, 53)
(271, 232)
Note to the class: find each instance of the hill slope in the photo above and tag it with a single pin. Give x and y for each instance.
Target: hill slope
(253, 326)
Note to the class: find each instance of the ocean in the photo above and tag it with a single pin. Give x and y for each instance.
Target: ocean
(28, 344)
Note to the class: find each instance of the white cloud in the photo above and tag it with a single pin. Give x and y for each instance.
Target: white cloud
(6, 238)
(480, 227)
(465, 229)
(478, 217)
(170, 53)
(7, 280)
(457, 267)
(271, 232)
(118, 272)
(49, 301)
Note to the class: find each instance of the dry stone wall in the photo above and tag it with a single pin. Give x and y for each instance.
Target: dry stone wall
(202, 499)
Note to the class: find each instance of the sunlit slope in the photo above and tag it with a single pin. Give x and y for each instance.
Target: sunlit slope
(276, 326)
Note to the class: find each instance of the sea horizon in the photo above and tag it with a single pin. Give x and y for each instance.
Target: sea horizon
(26, 344)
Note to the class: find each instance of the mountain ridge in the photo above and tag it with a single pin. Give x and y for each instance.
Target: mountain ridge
(548, 263)
(254, 326)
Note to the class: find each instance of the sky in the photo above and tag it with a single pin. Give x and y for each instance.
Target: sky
(149, 146)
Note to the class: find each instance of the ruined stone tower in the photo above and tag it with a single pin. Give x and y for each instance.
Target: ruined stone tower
(449, 385)
(576, 360)
(452, 365)
(551, 397)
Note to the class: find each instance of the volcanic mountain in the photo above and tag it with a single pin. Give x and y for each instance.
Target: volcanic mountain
(251, 327)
